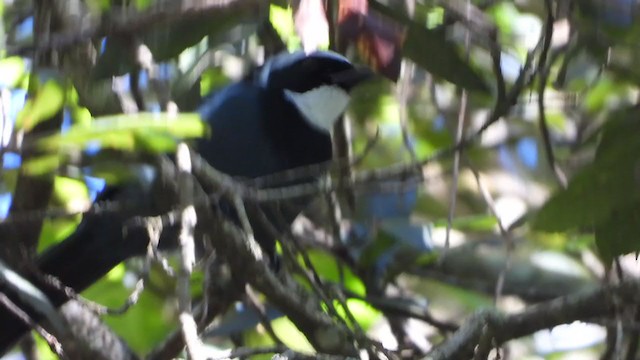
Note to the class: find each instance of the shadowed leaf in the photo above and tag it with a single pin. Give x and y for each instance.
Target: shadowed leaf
(430, 50)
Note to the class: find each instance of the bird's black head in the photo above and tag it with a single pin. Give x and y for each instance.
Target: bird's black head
(301, 72)
(317, 84)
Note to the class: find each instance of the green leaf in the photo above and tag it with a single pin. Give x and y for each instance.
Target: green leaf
(154, 142)
(282, 20)
(130, 132)
(430, 50)
(69, 194)
(142, 4)
(41, 165)
(599, 94)
(365, 314)
(212, 79)
(55, 230)
(620, 233)
(13, 70)
(113, 172)
(81, 116)
(598, 190)
(292, 337)
(471, 223)
(588, 200)
(47, 102)
(44, 349)
(327, 268)
(503, 15)
(143, 325)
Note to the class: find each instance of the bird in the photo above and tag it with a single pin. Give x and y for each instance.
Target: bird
(299, 98)
(277, 118)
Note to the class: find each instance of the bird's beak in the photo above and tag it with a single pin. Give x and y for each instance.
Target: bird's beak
(348, 79)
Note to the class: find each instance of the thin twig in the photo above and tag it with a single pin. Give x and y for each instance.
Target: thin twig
(51, 340)
(543, 72)
(504, 232)
(254, 302)
(402, 94)
(187, 254)
(462, 114)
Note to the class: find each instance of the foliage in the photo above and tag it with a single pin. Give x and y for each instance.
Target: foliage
(436, 215)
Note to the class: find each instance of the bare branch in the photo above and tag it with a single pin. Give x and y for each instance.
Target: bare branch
(187, 253)
(583, 306)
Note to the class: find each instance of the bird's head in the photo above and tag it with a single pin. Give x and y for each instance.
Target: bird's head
(317, 84)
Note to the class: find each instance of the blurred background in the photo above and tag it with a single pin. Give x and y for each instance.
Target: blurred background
(492, 162)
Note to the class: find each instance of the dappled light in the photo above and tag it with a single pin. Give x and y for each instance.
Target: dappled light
(331, 179)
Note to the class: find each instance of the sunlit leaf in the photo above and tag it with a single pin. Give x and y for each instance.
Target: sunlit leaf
(113, 172)
(471, 223)
(503, 14)
(292, 337)
(143, 325)
(13, 69)
(41, 165)
(72, 196)
(142, 4)
(47, 102)
(55, 230)
(327, 267)
(81, 116)
(365, 314)
(212, 79)
(122, 131)
(604, 92)
(154, 142)
(44, 349)
(67, 190)
(282, 21)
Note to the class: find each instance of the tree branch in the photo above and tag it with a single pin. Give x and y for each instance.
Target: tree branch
(583, 306)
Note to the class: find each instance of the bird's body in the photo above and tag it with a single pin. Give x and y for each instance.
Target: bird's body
(238, 145)
(265, 124)
(298, 100)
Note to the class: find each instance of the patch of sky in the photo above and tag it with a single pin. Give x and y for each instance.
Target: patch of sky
(527, 149)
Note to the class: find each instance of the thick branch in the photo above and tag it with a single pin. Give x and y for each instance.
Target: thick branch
(583, 306)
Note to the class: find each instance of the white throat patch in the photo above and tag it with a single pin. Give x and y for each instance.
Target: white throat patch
(321, 106)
